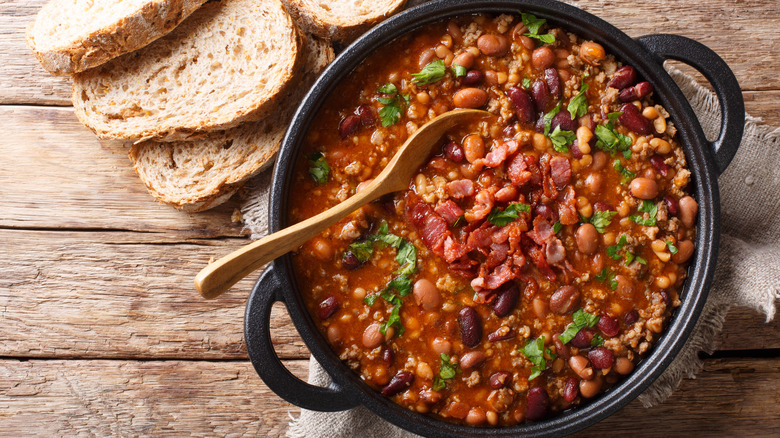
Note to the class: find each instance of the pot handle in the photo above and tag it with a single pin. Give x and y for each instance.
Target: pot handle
(722, 79)
(257, 330)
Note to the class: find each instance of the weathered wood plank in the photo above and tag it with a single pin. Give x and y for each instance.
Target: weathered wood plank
(57, 175)
(731, 397)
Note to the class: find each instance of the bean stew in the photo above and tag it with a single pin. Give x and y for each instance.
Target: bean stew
(534, 259)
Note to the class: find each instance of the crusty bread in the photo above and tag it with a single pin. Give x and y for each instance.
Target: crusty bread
(341, 20)
(69, 36)
(200, 174)
(227, 63)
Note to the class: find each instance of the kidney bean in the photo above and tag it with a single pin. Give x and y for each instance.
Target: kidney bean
(561, 349)
(537, 404)
(565, 299)
(575, 149)
(546, 212)
(426, 294)
(688, 210)
(541, 95)
(471, 359)
(543, 57)
(470, 327)
(501, 335)
(603, 206)
(509, 131)
(601, 358)
(684, 251)
(328, 307)
(399, 383)
(571, 389)
(587, 239)
(500, 379)
(643, 89)
(465, 59)
(665, 296)
(590, 388)
(553, 82)
(643, 188)
(472, 77)
(367, 115)
(631, 317)
(609, 325)
(506, 300)
(348, 125)
(469, 98)
(671, 205)
(623, 366)
(636, 92)
(632, 119)
(658, 162)
(524, 108)
(582, 339)
(564, 120)
(454, 152)
(623, 77)
(493, 45)
(350, 260)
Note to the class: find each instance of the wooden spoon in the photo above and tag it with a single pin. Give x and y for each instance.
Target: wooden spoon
(220, 275)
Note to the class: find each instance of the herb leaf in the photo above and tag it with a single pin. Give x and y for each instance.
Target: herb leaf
(561, 139)
(319, 169)
(459, 70)
(501, 218)
(447, 370)
(608, 277)
(672, 248)
(609, 140)
(534, 24)
(534, 351)
(651, 209)
(625, 173)
(362, 250)
(433, 72)
(395, 317)
(580, 320)
(548, 119)
(597, 340)
(557, 227)
(578, 105)
(526, 82)
(546, 38)
(390, 113)
(602, 219)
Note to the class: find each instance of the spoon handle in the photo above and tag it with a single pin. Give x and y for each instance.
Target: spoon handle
(219, 276)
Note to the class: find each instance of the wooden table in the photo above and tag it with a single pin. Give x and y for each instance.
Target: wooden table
(102, 334)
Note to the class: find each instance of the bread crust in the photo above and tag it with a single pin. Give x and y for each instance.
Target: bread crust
(339, 29)
(153, 20)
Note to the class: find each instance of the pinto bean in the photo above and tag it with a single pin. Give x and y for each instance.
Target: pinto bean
(599, 161)
(643, 188)
(426, 294)
(328, 307)
(540, 307)
(592, 53)
(476, 416)
(426, 56)
(632, 119)
(587, 239)
(493, 45)
(623, 77)
(684, 251)
(473, 147)
(334, 334)
(565, 299)
(595, 183)
(625, 287)
(469, 98)
(372, 337)
(590, 388)
(472, 359)
(470, 327)
(543, 57)
(399, 383)
(624, 366)
(524, 107)
(464, 59)
(537, 404)
(688, 210)
(579, 364)
(441, 345)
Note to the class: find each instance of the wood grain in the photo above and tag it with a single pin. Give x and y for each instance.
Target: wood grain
(730, 397)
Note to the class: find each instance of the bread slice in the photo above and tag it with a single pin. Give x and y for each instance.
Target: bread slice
(69, 36)
(227, 63)
(341, 20)
(200, 174)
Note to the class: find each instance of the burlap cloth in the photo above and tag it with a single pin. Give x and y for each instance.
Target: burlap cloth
(747, 274)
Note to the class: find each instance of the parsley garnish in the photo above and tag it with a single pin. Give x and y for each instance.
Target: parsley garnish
(557, 227)
(548, 119)
(510, 213)
(459, 70)
(534, 24)
(433, 72)
(561, 139)
(526, 82)
(362, 250)
(602, 219)
(319, 169)
(390, 113)
(395, 317)
(609, 140)
(626, 174)
(651, 209)
(580, 320)
(607, 276)
(672, 248)
(388, 88)
(534, 350)
(612, 251)
(597, 340)
(578, 105)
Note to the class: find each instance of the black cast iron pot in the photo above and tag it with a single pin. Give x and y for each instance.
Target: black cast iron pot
(705, 160)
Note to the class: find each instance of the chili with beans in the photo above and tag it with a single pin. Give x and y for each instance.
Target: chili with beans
(534, 259)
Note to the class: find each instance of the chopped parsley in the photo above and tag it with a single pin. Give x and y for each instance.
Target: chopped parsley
(319, 169)
(608, 277)
(612, 251)
(526, 82)
(433, 72)
(580, 320)
(651, 209)
(501, 218)
(597, 340)
(447, 371)
(609, 140)
(534, 351)
(625, 174)
(561, 139)
(459, 70)
(362, 250)
(672, 248)
(557, 227)
(578, 105)
(390, 113)
(601, 219)
(395, 316)
(534, 24)
(548, 119)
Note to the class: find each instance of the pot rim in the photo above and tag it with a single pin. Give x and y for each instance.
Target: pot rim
(700, 163)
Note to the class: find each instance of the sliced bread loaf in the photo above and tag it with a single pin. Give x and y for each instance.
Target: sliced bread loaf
(341, 20)
(200, 174)
(227, 63)
(69, 36)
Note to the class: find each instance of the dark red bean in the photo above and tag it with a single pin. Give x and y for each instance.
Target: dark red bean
(601, 358)
(658, 162)
(506, 300)
(562, 350)
(575, 149)
(500, 379)
(666, 297)
(470, 327)
(350, 260)
(537, 404)
(609, 325)
(582, 339)
(399, 383)
(509, 131)
(388, 356)
(631, 317)
(638, 91)
(632, 119)
(546, 212)
(541, 95)
(671, 205)
(603, 206)
(348, 125)
(565, 299)
(564, 120)
(499, 335)
(524, 108)
(643, 89)
(553, 82)
(454, 152)
(367, 115)
(472, 77)
(571, 389)
(328, 307)
(623, 77)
